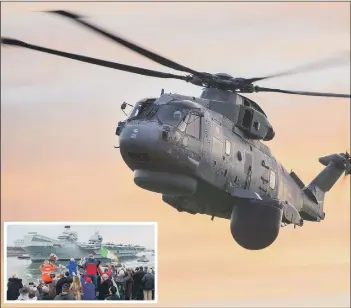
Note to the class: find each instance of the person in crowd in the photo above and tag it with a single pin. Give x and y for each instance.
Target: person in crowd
(129, 284)
(60, 282)
(90, 266)
(55, 278)
(52, 290)
(40, 285)
(65, 294)
(47, 268)
(76, 288)
(113, 270)
(88, 288)
(121, 284)
(137, 277)
(107, 270)
(104, 287)
(82, 276)
(34, 289)
(23, 294)
(72, 267)
(32, 295)
(14, 284)
(113, 296)
(69, 278)
(148, 284)
(45, 294)
(153, 290)
(99, 273)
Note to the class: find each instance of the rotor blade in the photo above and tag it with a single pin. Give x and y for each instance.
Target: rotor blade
(114, 65)
(261, 89)
(146, 53)
(329, 62)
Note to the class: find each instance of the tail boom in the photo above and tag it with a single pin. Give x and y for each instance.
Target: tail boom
(314, 193)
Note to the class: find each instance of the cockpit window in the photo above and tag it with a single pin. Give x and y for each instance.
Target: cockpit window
(142, 110)
(171, 114)
(135, 111)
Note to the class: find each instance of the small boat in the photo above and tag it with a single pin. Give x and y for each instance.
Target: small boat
(24, 257)
(143, 259)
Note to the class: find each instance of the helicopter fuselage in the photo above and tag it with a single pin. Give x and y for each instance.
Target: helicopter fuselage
(202, 163)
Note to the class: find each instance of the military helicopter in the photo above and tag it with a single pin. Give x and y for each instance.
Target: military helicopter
(205, 155)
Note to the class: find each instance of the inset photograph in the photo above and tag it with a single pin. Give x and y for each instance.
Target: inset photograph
(58, 261)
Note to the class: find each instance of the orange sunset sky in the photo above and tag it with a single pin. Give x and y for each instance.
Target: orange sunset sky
(58, 119)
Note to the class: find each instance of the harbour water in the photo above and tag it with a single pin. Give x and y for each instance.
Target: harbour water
(29, 271)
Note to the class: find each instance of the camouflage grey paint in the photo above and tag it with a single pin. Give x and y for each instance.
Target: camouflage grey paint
(228, 161)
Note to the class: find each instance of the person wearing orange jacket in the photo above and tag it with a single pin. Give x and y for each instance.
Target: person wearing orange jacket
(47, 268)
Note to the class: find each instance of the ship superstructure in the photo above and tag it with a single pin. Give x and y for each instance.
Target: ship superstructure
(66, 246)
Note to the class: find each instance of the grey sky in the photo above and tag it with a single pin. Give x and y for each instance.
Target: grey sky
(132, 234)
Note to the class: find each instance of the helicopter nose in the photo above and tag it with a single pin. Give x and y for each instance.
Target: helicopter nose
(139, 143)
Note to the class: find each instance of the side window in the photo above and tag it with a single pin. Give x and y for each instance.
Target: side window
(227, 147)
(182, 124)
(194, 126)
(272, 180)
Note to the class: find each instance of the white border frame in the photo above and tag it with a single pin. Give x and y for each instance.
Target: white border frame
(6, 224)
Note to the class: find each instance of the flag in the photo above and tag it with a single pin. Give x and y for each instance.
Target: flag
(53, 257)
(108, 254)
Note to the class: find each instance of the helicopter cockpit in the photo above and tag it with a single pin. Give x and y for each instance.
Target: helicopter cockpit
(173, 112)
(154, 127)
(170, 113)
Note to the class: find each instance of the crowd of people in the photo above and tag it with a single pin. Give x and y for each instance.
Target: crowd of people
(87, 281)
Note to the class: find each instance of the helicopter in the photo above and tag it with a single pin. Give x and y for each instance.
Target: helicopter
(206, 155)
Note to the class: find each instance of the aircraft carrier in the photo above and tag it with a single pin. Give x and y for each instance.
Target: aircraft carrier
(66, 246)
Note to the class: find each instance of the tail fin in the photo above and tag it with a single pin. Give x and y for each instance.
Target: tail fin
(336, 165)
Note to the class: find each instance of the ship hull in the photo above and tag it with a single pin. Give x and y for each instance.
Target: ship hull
(41, 253)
